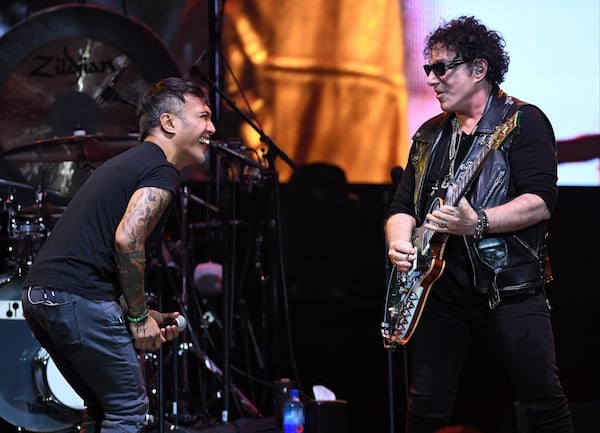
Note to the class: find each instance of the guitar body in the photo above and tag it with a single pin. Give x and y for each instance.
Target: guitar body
(407, 292)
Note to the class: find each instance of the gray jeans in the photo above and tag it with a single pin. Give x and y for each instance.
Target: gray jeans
(92, 348)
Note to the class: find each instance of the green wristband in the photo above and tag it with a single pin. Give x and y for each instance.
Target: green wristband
(142, 317)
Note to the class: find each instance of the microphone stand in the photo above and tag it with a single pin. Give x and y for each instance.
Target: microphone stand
(274, 151)
(184, 300)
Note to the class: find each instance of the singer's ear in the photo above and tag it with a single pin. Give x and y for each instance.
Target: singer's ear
(480, 67)
(167, 123)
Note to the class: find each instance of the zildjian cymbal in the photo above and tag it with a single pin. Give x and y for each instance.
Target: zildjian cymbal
(57, 66)
(77, 148)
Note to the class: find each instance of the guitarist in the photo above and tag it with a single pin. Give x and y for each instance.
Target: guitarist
(492, 239)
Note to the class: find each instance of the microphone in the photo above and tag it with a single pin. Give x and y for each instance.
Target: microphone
(195, 70)
(179, 321)
(110, 93)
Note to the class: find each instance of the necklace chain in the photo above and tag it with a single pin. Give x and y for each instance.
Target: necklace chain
(452, 152)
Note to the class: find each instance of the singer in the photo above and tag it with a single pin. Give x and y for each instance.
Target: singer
(97, 254)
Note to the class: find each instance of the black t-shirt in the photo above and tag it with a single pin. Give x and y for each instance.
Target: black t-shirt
(79, 254)
(532, 160)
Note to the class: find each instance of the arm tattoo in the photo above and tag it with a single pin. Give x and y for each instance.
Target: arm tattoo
(144, 210)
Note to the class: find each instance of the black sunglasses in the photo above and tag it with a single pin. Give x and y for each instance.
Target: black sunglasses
(439, 68)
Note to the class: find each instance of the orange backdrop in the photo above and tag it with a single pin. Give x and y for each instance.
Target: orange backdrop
(324, 79)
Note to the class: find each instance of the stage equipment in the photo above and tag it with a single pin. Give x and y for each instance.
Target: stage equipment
(34, 396)
(264, 171)
(173, 282)
(69, 77)
(82, 149)
(66, 73)
(208, 278)
(22, 233)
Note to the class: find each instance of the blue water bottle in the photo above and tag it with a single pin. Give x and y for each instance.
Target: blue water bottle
(293, 414)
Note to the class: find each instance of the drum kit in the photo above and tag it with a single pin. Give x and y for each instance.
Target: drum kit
(67, 76)
(33, 395)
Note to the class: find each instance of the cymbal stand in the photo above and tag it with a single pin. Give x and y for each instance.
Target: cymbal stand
(184, 342)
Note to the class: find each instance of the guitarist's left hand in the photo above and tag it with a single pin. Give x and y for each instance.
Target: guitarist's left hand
(455, 220)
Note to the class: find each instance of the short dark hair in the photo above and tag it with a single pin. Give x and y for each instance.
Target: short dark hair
(471, 40)
(165, 96)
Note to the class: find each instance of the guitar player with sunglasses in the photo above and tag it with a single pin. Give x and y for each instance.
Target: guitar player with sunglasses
(466, 232)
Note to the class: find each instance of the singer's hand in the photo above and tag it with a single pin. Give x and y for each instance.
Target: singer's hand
(147, 335)
(169, 332)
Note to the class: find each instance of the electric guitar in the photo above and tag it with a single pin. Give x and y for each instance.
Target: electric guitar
(407, 292)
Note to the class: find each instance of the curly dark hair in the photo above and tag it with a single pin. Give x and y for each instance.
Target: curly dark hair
(165, 96)
(471, 40)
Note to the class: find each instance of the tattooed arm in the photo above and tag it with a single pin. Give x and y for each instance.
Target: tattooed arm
(144, 210)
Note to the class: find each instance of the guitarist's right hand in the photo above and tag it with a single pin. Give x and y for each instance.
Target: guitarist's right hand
(401, 254)
(399, 232)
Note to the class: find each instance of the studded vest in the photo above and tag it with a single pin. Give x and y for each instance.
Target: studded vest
(503, 264)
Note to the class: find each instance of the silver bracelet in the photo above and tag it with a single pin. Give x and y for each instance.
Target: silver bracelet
(483, 225)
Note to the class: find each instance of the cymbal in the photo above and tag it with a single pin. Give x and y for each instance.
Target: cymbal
(45, 209)
(57, 65)
(13, 184)
(79, 148)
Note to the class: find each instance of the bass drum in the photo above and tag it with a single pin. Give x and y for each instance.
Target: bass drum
(33, 394)
(52, 386)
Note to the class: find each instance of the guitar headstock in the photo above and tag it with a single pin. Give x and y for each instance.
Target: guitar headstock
(505, 131)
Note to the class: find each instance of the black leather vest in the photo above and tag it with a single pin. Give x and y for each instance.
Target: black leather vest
(504, 264)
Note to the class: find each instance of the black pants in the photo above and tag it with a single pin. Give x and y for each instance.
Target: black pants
(520, 334)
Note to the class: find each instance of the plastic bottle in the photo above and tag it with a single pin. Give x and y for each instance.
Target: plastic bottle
(293, 414)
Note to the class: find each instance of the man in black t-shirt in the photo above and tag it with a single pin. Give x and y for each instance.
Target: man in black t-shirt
(475, 197)
(84, 296)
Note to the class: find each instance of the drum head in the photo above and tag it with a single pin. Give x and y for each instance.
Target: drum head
(53, 386)
(56, 67)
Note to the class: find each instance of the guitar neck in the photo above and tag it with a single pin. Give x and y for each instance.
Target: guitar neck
(468, 172)
(465, 177)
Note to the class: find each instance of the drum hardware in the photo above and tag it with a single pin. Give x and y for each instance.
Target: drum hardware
(13, 184)
(21, 237)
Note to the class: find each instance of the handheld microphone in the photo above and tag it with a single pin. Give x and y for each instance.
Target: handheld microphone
(179, 321)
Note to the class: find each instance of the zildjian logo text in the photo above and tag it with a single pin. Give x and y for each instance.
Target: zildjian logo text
(52, 66)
